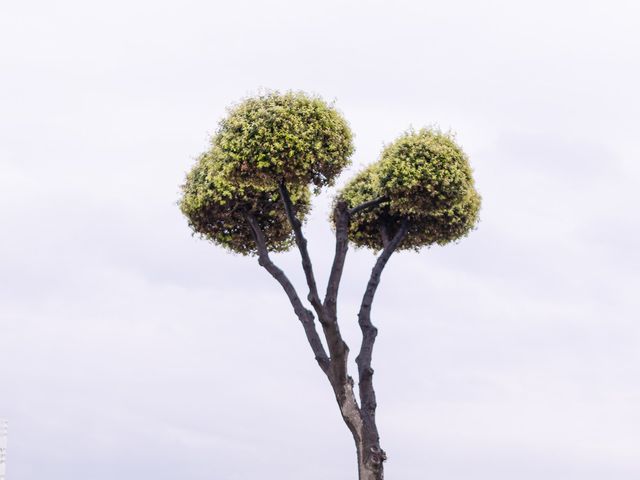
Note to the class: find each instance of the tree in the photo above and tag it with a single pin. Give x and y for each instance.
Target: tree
(250, 193)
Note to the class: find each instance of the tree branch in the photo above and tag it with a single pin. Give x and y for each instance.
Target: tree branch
(369, 332)
(301, 242)
(368, 205)
(337, 347)
(304, 315)
(342, 218)
(384, 234)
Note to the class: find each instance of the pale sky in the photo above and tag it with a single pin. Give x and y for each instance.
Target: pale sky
(129, 349)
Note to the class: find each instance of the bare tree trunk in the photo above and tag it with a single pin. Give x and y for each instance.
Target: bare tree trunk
(358, 416)
(370, 466)
(370, 456)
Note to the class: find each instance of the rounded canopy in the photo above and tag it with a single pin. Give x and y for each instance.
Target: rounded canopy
(426, 181)
(217, 208)
(292, 138)
(265, 142)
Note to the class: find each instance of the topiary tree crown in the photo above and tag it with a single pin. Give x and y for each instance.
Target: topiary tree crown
(424, 180)
(217, 208)
(266, 144)
(292, 138)
(250, 193)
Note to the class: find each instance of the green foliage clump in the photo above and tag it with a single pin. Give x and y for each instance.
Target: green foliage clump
(216, 207)
(300, 141)
(427, 181)
(292, 138)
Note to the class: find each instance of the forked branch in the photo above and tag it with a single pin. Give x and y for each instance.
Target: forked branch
(342, 218)
(304, 315)
(338, 349)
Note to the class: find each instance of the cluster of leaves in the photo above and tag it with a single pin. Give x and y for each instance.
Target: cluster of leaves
(217, 208)
(289, 137)
(301, 142)
(266, 141)
(426, 181)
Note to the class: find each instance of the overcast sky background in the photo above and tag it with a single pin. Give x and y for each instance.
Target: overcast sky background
(130, 350)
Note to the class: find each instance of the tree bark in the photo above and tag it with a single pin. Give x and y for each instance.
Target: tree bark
(370, 462)
(358, 416)
(369, 455)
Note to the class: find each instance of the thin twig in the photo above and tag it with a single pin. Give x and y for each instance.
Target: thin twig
(368, 205)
